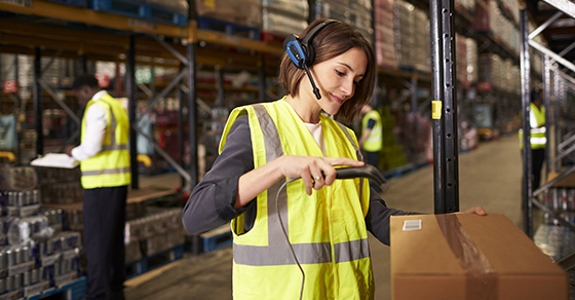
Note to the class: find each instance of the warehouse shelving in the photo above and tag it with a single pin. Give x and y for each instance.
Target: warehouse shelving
(107, 45)
(558, 88)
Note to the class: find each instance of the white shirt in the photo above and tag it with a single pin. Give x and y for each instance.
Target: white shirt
(96, 121)
(317, 133)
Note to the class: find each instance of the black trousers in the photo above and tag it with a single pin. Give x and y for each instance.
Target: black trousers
(104, 215)
(372, 158)
(537, 157)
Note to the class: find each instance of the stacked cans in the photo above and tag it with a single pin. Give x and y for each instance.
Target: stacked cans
(60, 186)
(554, 239)
(562, 201)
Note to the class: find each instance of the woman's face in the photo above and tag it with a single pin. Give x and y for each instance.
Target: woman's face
(336, 79)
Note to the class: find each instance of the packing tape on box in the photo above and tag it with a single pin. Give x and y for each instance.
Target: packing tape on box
(481, 280)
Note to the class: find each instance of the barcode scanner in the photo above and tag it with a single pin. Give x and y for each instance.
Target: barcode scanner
(367, 171)
(302, 54)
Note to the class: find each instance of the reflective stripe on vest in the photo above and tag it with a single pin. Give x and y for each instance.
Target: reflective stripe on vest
(111, 166)
(312, 253)
(537, 139)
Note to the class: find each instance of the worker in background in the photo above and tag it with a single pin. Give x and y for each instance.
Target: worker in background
(105, 166)
(371, 135)
(538, 139)
(275, 178)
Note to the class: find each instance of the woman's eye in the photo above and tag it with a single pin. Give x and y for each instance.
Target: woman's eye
(339, 73)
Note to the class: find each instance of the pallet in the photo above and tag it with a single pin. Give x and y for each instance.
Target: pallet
(228, 28)
(74, 290)
(216, 239)
(137, 9)
(148, 263)
(77, 3)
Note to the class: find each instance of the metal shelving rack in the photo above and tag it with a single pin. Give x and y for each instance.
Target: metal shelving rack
(558, 79)
(111, 37)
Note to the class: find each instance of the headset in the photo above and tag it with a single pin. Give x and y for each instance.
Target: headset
(301, 52)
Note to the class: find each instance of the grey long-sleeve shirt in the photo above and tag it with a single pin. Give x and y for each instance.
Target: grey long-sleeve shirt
(211, 203)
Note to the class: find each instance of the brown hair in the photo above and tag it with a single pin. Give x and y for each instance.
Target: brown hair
(333, 40)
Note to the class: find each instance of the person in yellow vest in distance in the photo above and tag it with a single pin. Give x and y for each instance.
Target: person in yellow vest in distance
(298, 233)
(105, 166)
(371, 141)
(371, 135)
(538, 139)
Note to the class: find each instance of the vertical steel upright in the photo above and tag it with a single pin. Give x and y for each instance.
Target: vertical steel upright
(192, 119)
(444, 108)
(37, 93)
(262, 78)
(547, 104)
(182, 99)
(414, 112)
(525, 66)
(131, 94)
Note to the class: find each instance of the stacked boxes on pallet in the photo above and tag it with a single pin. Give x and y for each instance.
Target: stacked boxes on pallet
(461, 59)
(171, 12)
(356, 13)
(35, 254)
(471, 60)
(158, 231)
(241, 18)
(468, 5)
(385, 51)
(405, 34)
(421, 43)
(466, 53)
(488, 75)
(282, 18)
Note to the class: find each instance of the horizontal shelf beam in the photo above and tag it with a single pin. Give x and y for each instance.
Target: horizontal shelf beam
(95, 18)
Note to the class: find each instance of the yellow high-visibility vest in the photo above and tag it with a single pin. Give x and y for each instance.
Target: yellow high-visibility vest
(374, 141)
(538, 140)
(111, 166)
(327, 229)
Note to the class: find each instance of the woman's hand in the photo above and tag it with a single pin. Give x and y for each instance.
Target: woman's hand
(477, 210)
(314, 171)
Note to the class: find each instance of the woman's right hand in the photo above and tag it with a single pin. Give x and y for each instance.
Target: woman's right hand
(313, 170)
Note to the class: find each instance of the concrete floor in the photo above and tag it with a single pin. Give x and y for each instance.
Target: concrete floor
(489, 176)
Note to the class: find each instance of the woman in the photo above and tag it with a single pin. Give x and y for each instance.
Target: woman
(298, 238)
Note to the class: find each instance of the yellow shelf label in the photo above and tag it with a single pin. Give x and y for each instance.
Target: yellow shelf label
(436, 107)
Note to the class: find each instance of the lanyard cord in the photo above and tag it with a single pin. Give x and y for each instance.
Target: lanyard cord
(287, 237)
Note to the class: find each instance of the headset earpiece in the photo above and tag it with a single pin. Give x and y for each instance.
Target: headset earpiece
(295, 50)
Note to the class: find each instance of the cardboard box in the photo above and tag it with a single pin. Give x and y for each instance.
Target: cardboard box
(463, 256)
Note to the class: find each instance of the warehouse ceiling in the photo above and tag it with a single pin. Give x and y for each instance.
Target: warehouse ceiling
(561, 33)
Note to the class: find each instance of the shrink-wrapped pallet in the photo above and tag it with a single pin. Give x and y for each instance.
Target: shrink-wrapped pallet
(284, 17)
(471, 60)
(385, 50)
(421, 51)
(246, 12)
(404, 34)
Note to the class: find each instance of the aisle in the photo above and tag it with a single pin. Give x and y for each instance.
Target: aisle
(489, 176)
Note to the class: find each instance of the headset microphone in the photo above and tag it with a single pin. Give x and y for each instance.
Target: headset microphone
(313, 86)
